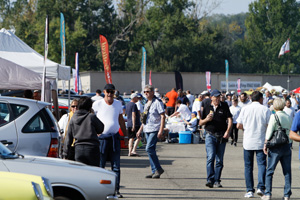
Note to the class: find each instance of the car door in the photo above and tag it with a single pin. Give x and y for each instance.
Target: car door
(8, 132)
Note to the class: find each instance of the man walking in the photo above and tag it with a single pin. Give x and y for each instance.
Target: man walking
(133, 124)
(254, 120)
(153, 126)
(218, 121)
(109, 111)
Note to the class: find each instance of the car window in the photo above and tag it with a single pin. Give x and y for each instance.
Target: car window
(18, 110)
(4, 114)
(40, 122)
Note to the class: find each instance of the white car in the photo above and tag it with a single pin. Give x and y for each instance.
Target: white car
(28, 127)
(69, 179)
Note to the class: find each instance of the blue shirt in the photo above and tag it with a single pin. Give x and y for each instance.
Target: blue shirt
(296, 126)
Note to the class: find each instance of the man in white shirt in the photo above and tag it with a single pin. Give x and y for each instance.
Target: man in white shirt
(97, 96)
(183, 110)
(294, 102)
(197, 105)
(288, 109)
(254, 120)
(191, 99)
(139, 104)
(244, 100)
(109, 111)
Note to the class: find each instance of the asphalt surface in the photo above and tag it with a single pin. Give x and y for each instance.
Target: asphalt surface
(185, 174)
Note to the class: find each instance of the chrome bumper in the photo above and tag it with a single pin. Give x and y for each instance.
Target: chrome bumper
(111, 197)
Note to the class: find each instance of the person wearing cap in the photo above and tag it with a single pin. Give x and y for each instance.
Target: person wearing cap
(228, 99)
(254, 119)
(133, 124)
(37, 95)
(193, 123)
(172, 95)
(156, 93)
(109, 111)
(153, 124)
(218, 121)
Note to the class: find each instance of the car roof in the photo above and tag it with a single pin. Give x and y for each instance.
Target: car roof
(23, 100)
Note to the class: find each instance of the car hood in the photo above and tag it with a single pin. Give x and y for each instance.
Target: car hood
(54, 162)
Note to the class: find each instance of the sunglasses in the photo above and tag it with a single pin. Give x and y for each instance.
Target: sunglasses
(147, 91)
(74, 106)
(110, 91)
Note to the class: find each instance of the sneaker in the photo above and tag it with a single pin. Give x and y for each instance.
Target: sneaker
(260, 192)
(265, 197)
(249, 195)
(119, 195)
(209, 184)
(217, 185)
(234, 144)
(285, 198)
(149, 176)
(158, 173)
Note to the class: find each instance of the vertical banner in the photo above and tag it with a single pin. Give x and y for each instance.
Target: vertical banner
(143, 69)
(45, 58)
(79, 86)
(105, 57)
(76, 74)
(227, 71)
(239, 86)
(150, 80)
(178, 80)
(208, 81)
(63, 45)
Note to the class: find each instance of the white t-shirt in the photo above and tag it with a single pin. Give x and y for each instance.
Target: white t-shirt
(140, 106)
(290, 111)
(184, 112)
(241, 104)
(255, 118)
(108, 114)
(197, 107)
(95, 98)
(235, 111)
(294, 104)
(191, 99)
(193, 126)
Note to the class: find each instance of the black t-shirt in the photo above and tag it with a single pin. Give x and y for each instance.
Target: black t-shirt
(206, 102)
(130, 108)
(219, 122)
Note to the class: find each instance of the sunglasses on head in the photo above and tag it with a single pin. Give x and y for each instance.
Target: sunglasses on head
(74, 106)
(147, 91)
(110, 91)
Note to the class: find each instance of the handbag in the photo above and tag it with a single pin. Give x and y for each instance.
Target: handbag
(144, 115)
(279, 136)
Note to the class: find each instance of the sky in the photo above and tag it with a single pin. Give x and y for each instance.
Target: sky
(232, 7)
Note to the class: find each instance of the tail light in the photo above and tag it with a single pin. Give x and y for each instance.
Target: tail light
(53, 150)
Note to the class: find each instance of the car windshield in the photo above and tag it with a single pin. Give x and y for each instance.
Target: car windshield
(5, 153)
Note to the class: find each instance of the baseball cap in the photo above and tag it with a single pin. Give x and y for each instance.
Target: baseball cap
(195, 113)
(215, 93)
(139, 95)
(109, 87)
(285, 92)
(204, 92)
(133, 95)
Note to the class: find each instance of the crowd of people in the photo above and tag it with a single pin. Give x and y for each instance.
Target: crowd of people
(91, 129)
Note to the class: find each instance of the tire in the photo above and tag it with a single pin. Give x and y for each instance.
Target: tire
(62, 198)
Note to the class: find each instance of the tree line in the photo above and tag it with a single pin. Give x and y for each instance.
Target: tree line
(179, 35)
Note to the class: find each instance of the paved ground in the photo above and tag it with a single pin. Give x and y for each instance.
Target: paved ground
(185, 174)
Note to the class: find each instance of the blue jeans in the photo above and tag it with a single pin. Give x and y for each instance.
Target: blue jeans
(151, 150)
(261, 164)
(214, 151)
(113, 152)
(284, 155)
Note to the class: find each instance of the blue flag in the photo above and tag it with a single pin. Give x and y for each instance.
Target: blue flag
(227, 71)
(62, 39)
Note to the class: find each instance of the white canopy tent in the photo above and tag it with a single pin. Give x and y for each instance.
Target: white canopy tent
(269, 87)
(15, 50)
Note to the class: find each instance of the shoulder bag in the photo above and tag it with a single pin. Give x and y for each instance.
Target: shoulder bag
(279, 136)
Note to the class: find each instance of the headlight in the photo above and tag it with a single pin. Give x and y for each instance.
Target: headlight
(37, 191)
(48, 186)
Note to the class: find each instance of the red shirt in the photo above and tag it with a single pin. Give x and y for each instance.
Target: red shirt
(172, 95)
